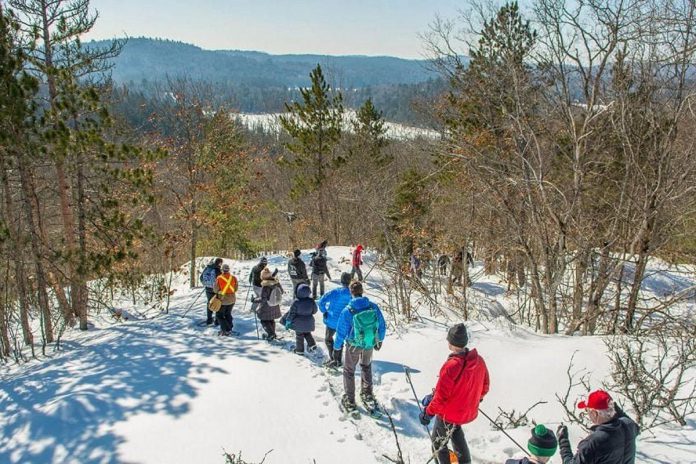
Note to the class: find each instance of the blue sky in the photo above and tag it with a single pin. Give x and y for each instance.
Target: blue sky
(348, 27)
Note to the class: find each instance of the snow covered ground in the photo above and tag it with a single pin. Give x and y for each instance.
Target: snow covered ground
(168, 391)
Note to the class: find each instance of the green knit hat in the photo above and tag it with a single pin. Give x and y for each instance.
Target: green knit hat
(543, 442)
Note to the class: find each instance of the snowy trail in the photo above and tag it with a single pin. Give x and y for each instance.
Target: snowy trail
(168, 391)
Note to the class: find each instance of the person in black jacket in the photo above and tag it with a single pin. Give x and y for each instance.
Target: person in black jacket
(255, 281)
(300, 318)
(319, 269)
(297, 271)
(613, 436)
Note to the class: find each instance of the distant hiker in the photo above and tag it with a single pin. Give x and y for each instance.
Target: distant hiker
(269, 303)
(361, 325)
(319, 270)
(357, 262)
(300, 318)
(415, 264)
(331, 305)
(462, 384)
(210, 273)
(457, 271)
(321, 248)
(442, 263)
(255, 281)
(226, 289)
(541, 445)
(613, 434)
(297, 271)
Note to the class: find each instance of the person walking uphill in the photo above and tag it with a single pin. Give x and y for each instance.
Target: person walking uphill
(613, 434)
(269, 303)
(297, 271)
(300, 318)
(255, 281)
(462, 384)
(319, 269)
(357, 262)
(226, 289)
(361, 326)
(208, 277)
(331, 305)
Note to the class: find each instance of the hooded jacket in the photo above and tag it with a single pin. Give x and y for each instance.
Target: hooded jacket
(613, 442)
(344, 328)
(462, 384)
(332, 303)
(265, 311)
(357, 256)
(297, 269)
(300, 317)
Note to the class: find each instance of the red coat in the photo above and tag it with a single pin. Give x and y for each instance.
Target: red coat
(462, 384)
(357, 256)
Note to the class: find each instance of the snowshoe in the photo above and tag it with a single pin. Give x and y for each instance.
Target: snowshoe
(349, 407)
(368, 400)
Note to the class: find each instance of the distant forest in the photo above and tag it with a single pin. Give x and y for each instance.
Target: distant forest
(255, 82)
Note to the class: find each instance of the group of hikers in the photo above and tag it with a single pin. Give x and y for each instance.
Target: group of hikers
(355, 328)
(420, 260)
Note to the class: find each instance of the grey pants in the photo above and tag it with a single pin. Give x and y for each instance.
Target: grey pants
(296, 283)
(354, 356)
(317, 279)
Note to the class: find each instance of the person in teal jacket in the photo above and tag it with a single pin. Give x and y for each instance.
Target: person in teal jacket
(361, 326)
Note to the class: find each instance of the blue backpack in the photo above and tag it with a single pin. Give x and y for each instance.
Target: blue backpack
(208, 276)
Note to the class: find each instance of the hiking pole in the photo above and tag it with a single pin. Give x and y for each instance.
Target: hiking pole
(504, 432)
(413, 389)
(194, 302)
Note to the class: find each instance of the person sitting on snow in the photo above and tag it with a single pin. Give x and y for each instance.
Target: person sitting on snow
(462, 384)
(541, 445)
(613, 436)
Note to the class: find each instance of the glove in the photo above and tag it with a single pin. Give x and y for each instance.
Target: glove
(425, 418)
(426, 400)
(378, 346)
(325, 316)
(562, 432)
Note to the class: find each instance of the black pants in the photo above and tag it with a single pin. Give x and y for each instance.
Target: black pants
(356, 270)
(329, 339)
(209, 293)
(300, 338)
(225, 317)
(269, 327)
(442, 432)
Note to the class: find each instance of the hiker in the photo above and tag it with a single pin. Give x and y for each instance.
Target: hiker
(319, 269)
(331, 305)
(442, 262)
(612, 439)
(461, 386)
(321, 248)
(300, 318)
(269, 303)
(210, 273)
(415, 263)
(297, 271)
(226, 289)
(457, 270)
(357, 262)
(361, 326)
(255, 282)
(541, 445)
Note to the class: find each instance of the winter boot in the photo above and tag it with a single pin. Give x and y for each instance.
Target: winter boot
(348, 404)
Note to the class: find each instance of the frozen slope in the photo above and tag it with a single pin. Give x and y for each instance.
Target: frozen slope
(168, 391)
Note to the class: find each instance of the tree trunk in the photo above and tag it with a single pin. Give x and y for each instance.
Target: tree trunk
(581, 264)
(81, 297)
(192, 264)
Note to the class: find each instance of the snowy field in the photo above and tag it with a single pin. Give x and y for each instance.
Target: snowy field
(165, 390)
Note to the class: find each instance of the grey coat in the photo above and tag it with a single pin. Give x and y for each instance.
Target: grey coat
(265, 311)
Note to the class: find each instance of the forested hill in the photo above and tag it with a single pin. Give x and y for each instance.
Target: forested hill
(154, 59)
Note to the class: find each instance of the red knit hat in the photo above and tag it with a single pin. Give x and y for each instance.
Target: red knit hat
(598, 399)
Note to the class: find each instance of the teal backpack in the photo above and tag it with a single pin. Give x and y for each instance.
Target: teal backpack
(365, 329)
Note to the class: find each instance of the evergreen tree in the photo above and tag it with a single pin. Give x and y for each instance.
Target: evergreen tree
(315, 125)
(370, 131)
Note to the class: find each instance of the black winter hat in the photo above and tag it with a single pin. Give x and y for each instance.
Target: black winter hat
(543, 442)
(296, 253)
(345, 279)
(263, 260)
(458, 336)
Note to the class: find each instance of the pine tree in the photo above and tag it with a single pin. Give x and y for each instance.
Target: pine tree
(370, 131)
(315, 125)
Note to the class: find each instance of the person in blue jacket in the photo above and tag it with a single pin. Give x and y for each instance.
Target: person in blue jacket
(331, 305)
(361, 326)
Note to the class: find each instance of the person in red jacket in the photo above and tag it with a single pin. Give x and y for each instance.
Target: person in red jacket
(462, 384)
(357, 262)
